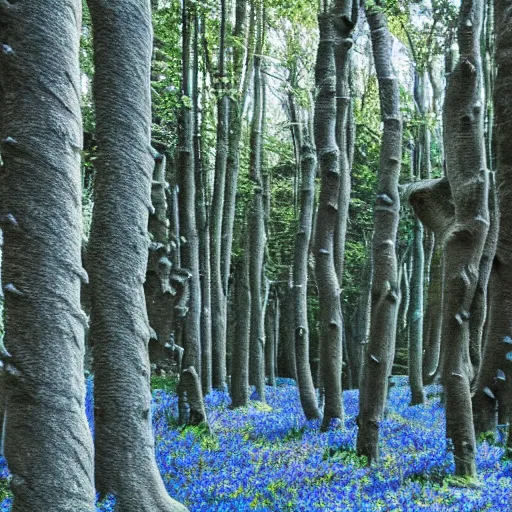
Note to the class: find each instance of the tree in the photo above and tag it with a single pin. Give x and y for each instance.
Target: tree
(385, 291)
(256, 221)
(300, 283)
(493, 383)
(219, 299)
(327, 218)
(468, 178)
(118, 251)
(187, 198)
(43, 358)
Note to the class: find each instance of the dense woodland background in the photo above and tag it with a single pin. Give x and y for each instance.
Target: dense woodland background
(209, 197)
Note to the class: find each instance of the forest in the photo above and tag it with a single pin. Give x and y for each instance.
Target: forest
(256, 255)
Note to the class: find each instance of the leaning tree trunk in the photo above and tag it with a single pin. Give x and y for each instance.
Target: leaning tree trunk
(300, 283)
(468, 177)
(479, 312)
(219, 293)
(47, 441)
(328, 287)
(385, 291)
(257, 227)
(433, 205)
(495, 373)
(118, 251)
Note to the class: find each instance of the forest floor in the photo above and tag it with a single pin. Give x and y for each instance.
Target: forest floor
(268, 458)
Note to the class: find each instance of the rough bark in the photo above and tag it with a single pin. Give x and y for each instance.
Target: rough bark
(242, 304)
(162, 286)
(124, 456)
(47, 441)
(479, 305)
(203, 224)
(187, 200)
(330, 318)
(257, 225)
(242, 77)
(300, 284)
(468, 178)
(385, 292)
(495, 375)
(219, 292)
(270, 341)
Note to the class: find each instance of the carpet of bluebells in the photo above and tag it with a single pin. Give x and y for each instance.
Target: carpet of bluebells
(268, 458)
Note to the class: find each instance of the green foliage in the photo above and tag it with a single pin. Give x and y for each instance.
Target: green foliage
(346, 456)
(5, 490)
(167, 384)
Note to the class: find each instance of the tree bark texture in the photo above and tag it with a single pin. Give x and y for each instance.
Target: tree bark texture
(187, 199)
(118, 251)
(219, 292)
(47, 441)
(385, 292)
(300, 284)
(257, 225)
(242, 305)
(495, 376)
(327, 281)
(468, 178)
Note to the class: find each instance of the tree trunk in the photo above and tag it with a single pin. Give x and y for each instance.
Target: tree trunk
(327, 281)
(118, 251)
(219, 292)
(495, 374)
(300, 283)
(235, 131)
(187, 200)
(270, 342)
(256, 226)
(47, 441)
(242, 305)
(416, 317)
(479, 305)
(385, 292)
(468, 177)
(203, 224)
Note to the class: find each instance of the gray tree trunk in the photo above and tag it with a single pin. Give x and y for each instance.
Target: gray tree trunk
(241, 76)
(495, 375)
(300, 283)
(187, 202)
(219, 292)
(468, 177)
(125, 459)
(257, 225)
(330, 318)
(202, 217)
(242, 305)
(47, 441)
(385, 291)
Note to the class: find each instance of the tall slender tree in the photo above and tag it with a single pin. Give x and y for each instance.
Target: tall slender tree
(385, 293)
(300, 282)
(327, 218)
(219, 297)
(124, 456)
(187, 198)
(47, 441)
(256, 220)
